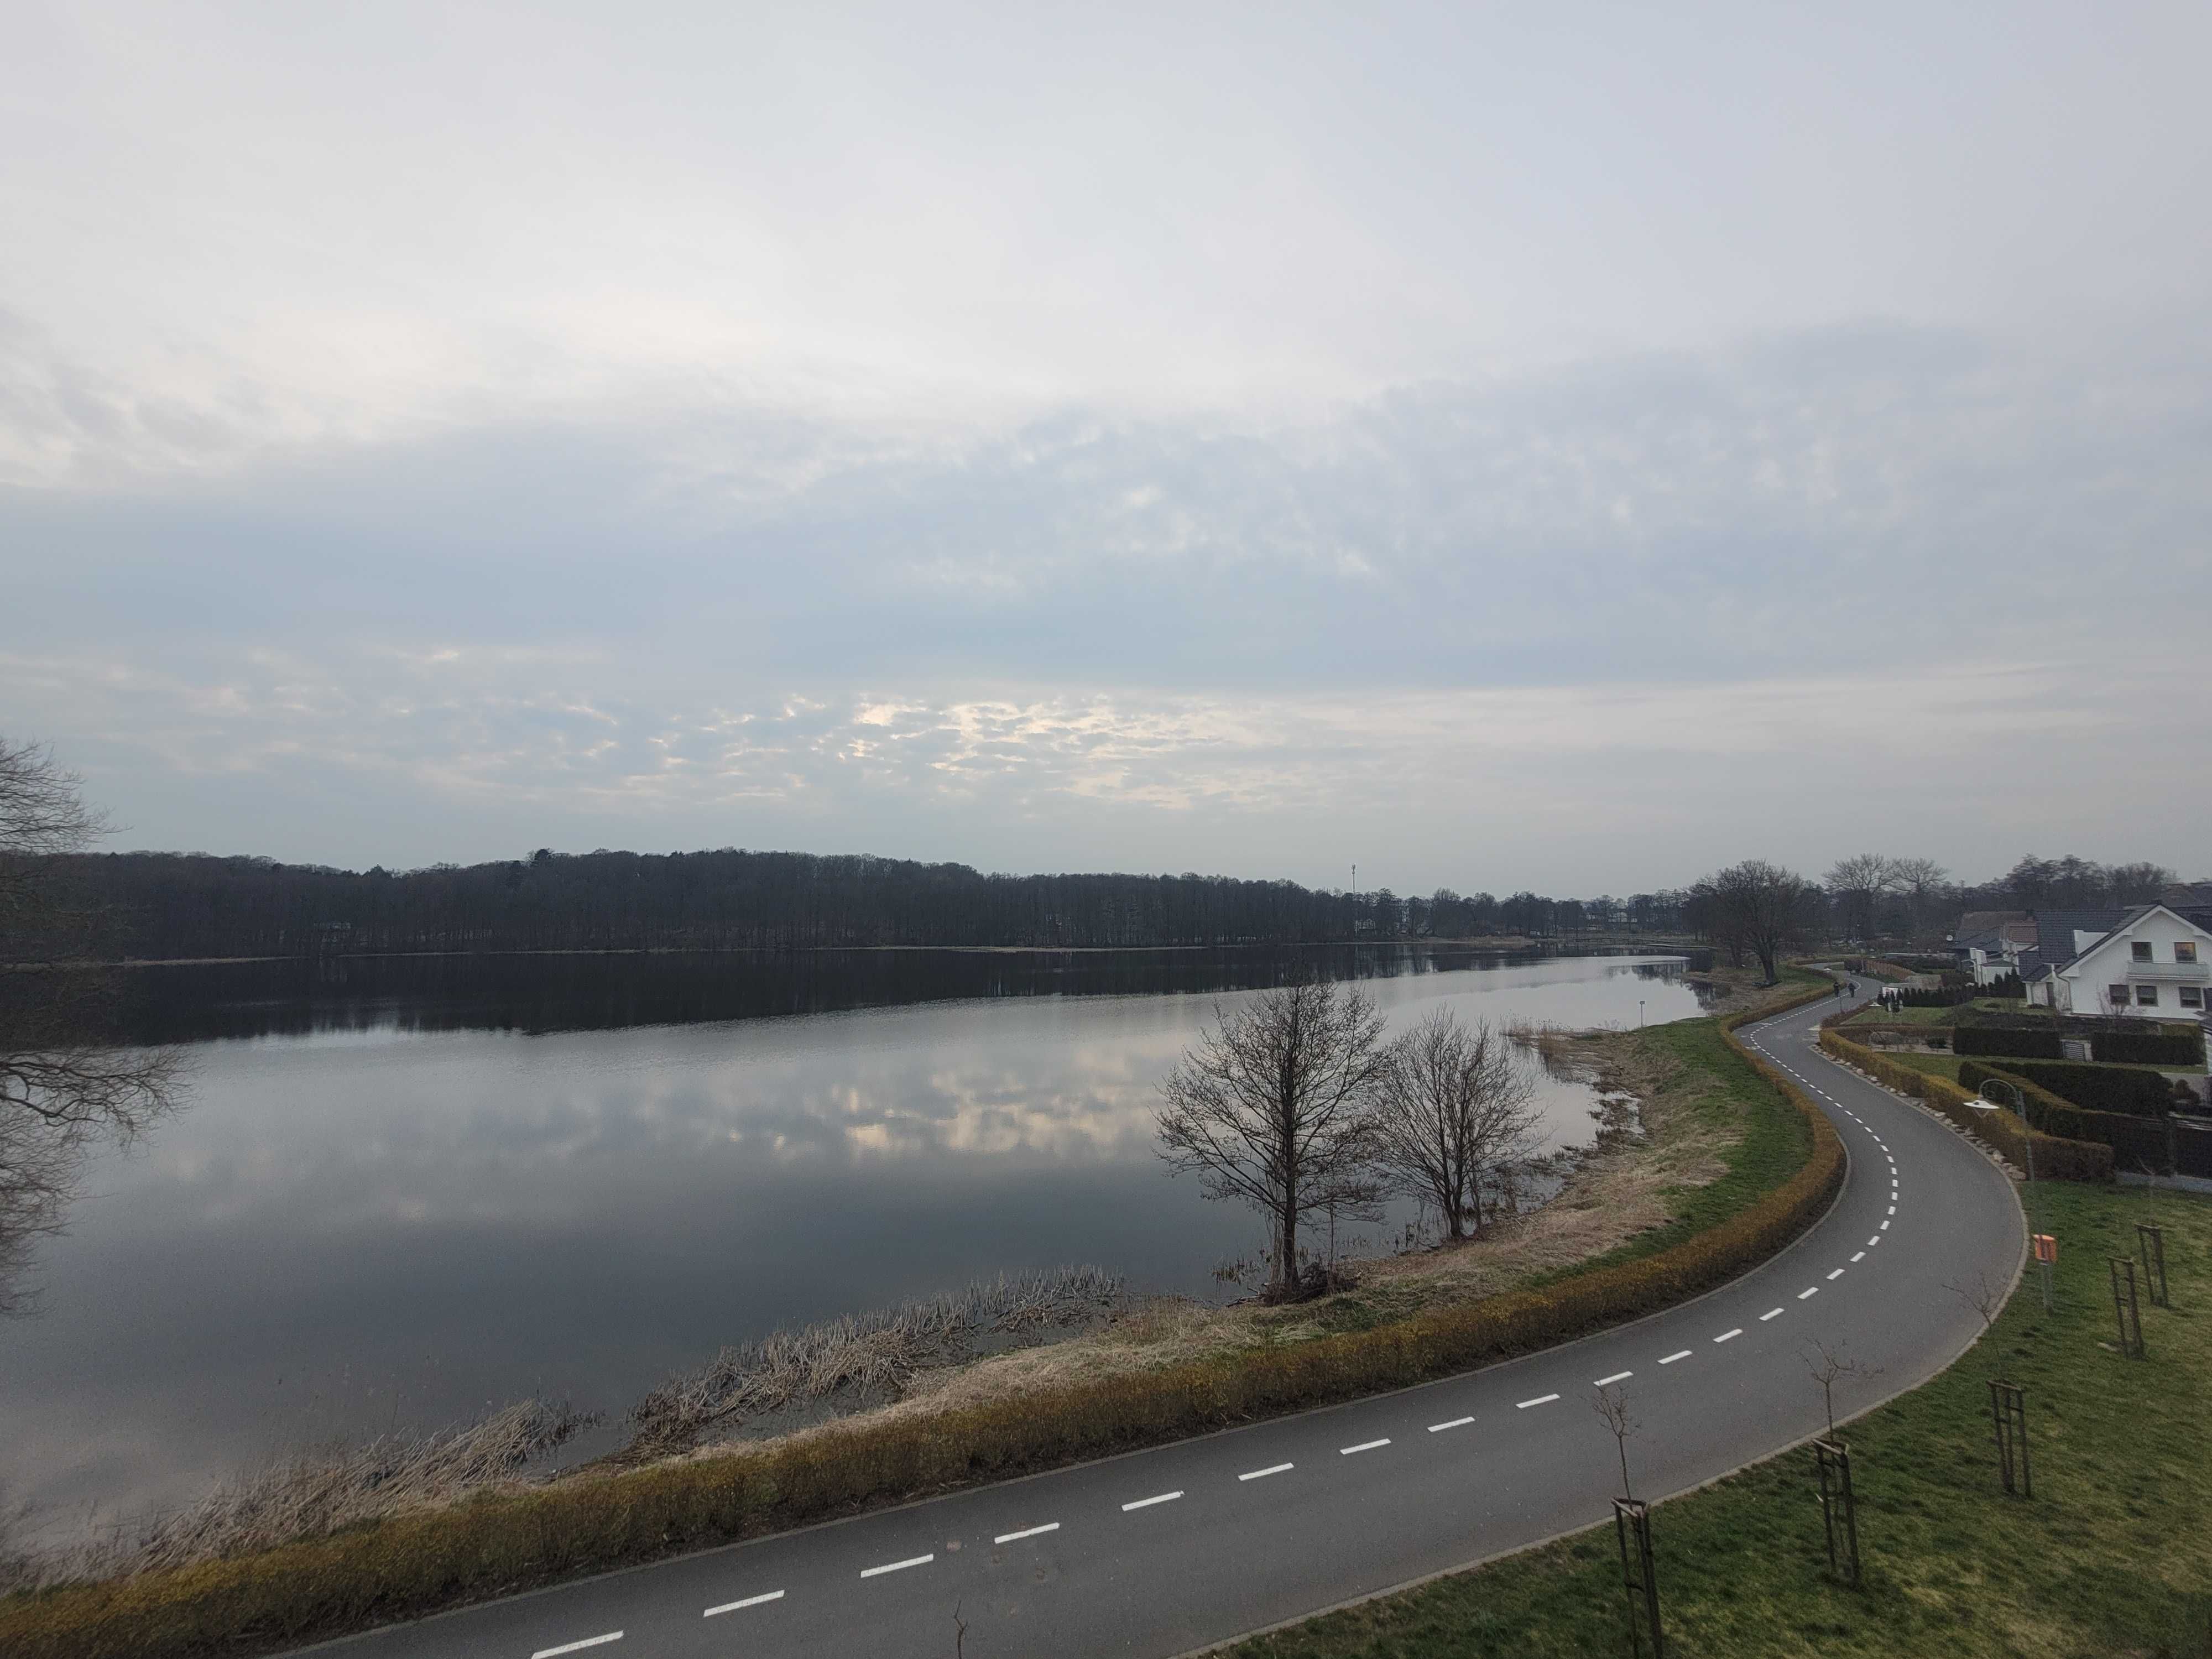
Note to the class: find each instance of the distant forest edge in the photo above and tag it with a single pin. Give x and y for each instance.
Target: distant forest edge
(172, 906)
(169, 905)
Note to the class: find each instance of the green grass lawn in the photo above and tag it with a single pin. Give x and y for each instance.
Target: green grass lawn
(2111, 1557)
(1871, 1015)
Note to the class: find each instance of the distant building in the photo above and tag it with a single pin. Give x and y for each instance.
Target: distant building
(1988, 943)
(2151, 962)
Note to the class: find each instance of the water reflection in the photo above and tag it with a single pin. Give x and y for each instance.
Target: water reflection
(349, 1230)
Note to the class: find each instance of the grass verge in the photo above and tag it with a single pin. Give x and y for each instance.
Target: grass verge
(1782, 1173)
(2110, 1557)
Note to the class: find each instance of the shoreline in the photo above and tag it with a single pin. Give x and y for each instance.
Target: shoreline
(1494, 942)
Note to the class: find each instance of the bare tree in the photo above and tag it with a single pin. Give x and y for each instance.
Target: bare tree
(63, 1085)
(1859, 883)
(1271, 1107)
(1758, 906)
(1453, 1103)
(1921, 881)
(1611, 1404)
(1829, 1366)
(1983, 1297)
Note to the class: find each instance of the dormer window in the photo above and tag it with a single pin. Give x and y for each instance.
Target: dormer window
(2141, 948)
(2186, 951)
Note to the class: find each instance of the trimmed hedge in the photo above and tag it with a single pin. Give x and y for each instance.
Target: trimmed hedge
(416, 1564)
(2059, 1160)
(2160, 1048)
(2100, 1088)
(2136, 1142)
(2007, 1040)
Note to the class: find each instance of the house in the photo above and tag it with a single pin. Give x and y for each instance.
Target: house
(1988, 942)
(2151, 962)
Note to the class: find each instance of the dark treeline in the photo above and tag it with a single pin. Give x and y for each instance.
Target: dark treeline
(169, 905)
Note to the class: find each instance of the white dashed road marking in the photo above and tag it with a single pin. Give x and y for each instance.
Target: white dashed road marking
(1035, 1532)
(1607, 1382)
(1672, 1358)
(1146, 1503)
(1540, 1400)
(1814, 1291)
(1773, 1313)
(749, 1601)
(1261, 1474)
(1836, 1275)
(897, 1566)
(1364, 1445)
(1729, 1336)
(1456, 1423)
(577, 1647)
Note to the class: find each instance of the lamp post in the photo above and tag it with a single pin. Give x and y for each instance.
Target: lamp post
(1982, 1103)
(1640, 1013)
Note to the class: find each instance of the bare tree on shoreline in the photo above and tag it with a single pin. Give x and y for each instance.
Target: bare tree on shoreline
(62, 1088)
(1453, 1104)
(1272, 1107)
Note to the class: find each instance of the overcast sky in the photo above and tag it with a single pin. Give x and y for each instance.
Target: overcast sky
(1551, 446)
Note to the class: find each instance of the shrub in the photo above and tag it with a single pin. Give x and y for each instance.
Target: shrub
(2059, 1160)
(2100, 1088)
(2042, 1043)
(2159, 1048)
(2136, 1142)
(1947, 996)
(414, 1564)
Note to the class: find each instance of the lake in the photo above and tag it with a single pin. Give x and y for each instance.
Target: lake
(403, 1195)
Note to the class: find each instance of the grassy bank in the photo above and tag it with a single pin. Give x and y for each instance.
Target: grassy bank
(1774, 1162)
(2111, 1557)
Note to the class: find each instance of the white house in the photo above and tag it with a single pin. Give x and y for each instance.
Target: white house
(2153, 961)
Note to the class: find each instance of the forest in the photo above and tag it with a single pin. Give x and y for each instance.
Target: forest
(168, 906)
(173, 906)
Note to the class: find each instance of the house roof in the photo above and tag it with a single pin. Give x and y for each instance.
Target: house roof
(2055, 930)
(1974, 925)
(2187, 895)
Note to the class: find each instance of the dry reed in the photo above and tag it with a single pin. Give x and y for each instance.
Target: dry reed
(310, 1494)
(868, 1356)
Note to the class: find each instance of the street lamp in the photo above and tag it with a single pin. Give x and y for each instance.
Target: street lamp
(1982, 1103)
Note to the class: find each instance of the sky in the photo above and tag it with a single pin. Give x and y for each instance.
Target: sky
(1564, 447)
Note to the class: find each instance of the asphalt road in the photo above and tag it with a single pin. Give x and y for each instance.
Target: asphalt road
(1162, 1552)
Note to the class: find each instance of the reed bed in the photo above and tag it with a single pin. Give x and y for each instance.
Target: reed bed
(310, 1494)
(868, 1357)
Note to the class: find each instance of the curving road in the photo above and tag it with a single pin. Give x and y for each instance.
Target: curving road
(1162, 1552)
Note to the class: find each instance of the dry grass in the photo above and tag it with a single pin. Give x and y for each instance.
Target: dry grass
(313, 1493)
(866, 1355)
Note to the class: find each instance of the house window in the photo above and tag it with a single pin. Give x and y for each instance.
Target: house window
(2117, 995)
(2147, 995)
(2191, 997)
(2186, 951)
(2141, 948)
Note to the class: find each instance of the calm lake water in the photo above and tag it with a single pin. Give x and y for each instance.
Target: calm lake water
(368, 1220)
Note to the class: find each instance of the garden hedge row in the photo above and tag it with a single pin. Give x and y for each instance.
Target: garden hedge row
(2108, 1048)
(2100, 1088)
(2137, 1142)
(2058, 1159)
(2164, 1046)
(2028, 1044)
(416, 1563)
